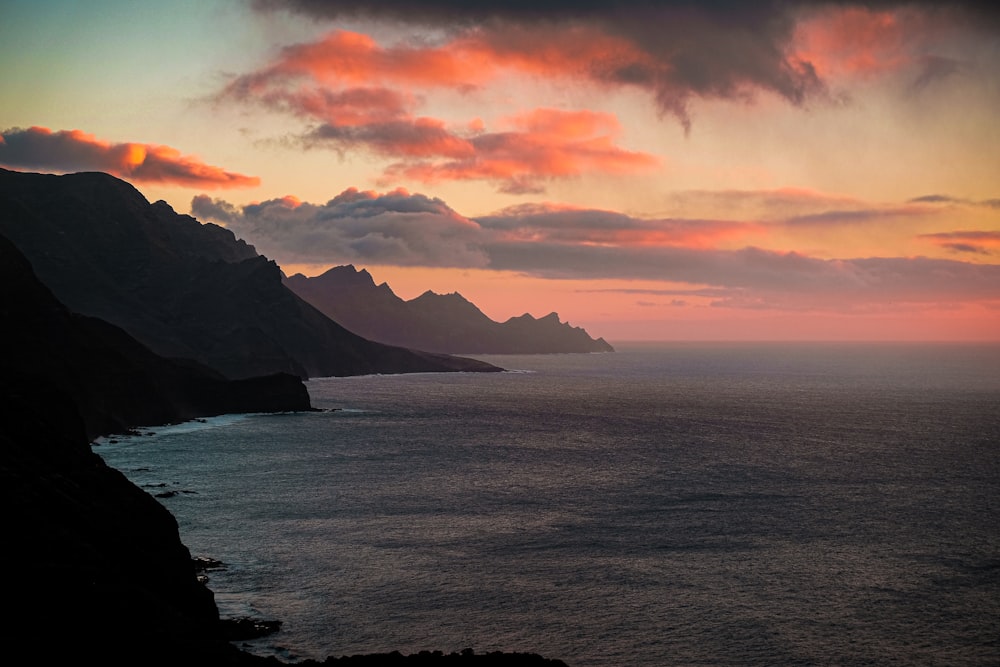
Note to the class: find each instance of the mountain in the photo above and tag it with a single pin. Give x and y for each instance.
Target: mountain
(97, 572)
(446, 323)
(182, 288)
(115, 382)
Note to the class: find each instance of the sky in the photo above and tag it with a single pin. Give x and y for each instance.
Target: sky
(650, 170)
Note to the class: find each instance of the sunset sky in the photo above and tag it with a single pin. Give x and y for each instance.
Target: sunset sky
(649, 170)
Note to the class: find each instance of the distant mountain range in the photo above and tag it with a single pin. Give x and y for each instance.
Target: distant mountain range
(445, 323)
(183, 288)
(98, 561)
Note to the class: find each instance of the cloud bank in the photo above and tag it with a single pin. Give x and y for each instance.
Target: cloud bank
(558, 242)
(355, 93)
(360, 96)
(73, 150)
(677, 50)
(394, 228)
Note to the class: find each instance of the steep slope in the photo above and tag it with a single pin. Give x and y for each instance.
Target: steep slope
(446, 323)
(184, 289)
(93, 556)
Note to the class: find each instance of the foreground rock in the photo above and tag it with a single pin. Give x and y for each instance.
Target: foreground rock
(436, 322)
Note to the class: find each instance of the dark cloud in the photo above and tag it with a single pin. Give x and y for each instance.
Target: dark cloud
(395, 228)
(753, 277)
(682, 48)
(971, 242)
(936, 68)
(936, 199)
(946, 199)
(412, 137)
(855, 216)
(675, 50)
(218, 210)
(966, 247)
(436, 12)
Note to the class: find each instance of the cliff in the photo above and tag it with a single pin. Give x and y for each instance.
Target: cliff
(95, 567)
(88, 555)
(113, 380)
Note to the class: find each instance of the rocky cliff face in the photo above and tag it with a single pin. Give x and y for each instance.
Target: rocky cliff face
(446, 323)
(184, 289)
(94, 564)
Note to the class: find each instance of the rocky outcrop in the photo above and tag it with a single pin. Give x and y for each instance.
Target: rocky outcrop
(446, 323)
(182, 288)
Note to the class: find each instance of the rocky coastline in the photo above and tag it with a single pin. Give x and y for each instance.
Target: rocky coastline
(95, 569)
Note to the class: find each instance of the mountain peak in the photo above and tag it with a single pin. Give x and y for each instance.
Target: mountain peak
(435, 322)
(347, 275)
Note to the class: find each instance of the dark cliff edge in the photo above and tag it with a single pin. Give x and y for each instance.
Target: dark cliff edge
(115, 382)
(445, 323)
(94, 564)
(94, 567)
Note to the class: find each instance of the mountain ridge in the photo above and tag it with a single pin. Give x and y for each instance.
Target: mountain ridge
(183, 288)
(446, 323)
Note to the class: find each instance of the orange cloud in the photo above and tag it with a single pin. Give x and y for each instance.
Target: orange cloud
(345, 108)
(322, 81)
(350, 58)
(74, 150)
(858, 41)
(343, 58)
(403, 137)
(630, 56)
(543, 144)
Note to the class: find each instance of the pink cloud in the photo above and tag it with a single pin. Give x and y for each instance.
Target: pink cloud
(349, 59)
(845, 41)
(73, 150)
(542, 144)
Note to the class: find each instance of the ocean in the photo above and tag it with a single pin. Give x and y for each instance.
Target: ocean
(662, 505)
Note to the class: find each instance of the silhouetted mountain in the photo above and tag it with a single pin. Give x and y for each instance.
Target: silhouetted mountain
(445, 323)
(96, 571)
(114, 381)
(88, 550)
(184, 289)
